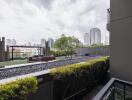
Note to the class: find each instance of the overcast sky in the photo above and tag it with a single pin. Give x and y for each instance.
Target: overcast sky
(31, 20)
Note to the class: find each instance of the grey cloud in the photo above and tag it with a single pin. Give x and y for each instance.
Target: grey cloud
(19, 8)
(43, 3)
(2, 17)
(74, 1)
(43, 17)
(15, 2)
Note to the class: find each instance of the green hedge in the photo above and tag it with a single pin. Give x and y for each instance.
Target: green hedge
(80, 67)
(19, 89)
(67, 80)
(73, 78)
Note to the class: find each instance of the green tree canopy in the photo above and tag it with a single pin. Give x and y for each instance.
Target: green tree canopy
(67, 43)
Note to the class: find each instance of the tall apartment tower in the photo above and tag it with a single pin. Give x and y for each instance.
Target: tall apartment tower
(106, 40)
(43, 42)
(8, 42)
(95, 36)
(86, 39)
(50, 43)
(14, 42)
(29, 44)
(2, 49)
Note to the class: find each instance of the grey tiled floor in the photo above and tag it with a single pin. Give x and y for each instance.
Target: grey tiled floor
(93, 93)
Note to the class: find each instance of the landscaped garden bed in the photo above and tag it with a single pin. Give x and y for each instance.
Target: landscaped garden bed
(15, 62)
(12, 71)
(75, 78)
(18, 89)
(61, 83)
(41, 58)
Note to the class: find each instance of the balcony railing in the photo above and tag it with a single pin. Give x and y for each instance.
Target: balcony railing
(108, 19)
(115, 89)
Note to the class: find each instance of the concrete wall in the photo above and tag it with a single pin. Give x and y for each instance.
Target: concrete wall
(121, 39)
(104, 51)
(44, 92)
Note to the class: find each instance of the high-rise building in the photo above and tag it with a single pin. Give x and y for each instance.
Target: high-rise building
(43, 42)
(86, 39)
(29, 43)
(95, 36)
(106, 40)
(34, 44)
(13, 42)
(50, 43)
(8, 42)
(2, 49)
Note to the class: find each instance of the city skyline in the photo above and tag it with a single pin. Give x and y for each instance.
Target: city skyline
(87, 40)
(31, 20)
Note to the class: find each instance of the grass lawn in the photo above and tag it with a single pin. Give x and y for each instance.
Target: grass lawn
(15, 62)
(60, 58)
(7, 63)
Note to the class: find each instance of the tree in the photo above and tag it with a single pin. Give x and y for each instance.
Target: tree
(67, 44)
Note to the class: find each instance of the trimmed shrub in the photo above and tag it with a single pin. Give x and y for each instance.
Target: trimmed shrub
(76, 77)
(18, 89)
(67, 70)
(41, 58)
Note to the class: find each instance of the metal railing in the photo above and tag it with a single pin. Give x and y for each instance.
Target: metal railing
(115, 89)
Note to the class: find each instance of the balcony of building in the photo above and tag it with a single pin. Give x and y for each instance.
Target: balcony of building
(115, 89)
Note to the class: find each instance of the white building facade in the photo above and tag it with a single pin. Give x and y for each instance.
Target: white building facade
(50, 43)
(43, 42)
(11, 42)
(86, 39)
(95, 36)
